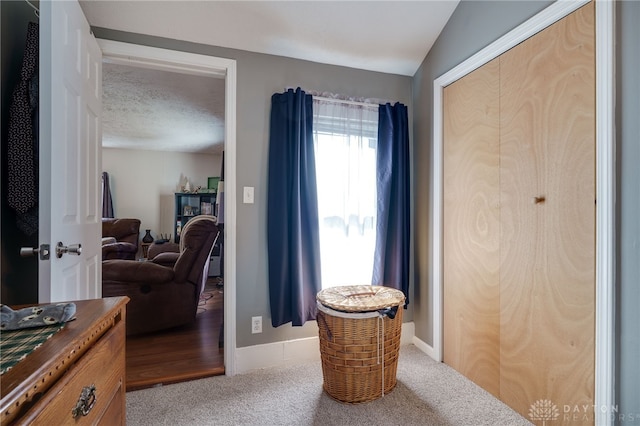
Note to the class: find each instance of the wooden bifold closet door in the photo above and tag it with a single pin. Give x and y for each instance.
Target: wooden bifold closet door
(519, 221)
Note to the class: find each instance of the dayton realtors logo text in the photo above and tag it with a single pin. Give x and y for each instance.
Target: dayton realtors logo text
(546, 411)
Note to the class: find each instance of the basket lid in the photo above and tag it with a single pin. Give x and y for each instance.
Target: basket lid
(360, 298)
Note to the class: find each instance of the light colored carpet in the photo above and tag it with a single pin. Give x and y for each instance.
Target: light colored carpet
(427, 393)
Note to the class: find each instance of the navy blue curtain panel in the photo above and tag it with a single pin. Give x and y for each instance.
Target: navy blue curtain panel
(391, 261)
(107, 199)
(293, 236)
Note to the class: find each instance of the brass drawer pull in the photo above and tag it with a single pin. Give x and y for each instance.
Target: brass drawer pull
(86, 402)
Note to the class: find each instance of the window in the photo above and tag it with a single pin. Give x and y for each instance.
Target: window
(345, 138)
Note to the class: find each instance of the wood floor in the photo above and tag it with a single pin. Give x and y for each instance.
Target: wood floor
(183, 353)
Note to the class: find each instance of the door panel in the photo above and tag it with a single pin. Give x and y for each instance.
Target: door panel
(471, 227)
(547, 275)
(70, 108)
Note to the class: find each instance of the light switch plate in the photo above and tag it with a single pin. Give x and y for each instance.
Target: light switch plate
(247, 195)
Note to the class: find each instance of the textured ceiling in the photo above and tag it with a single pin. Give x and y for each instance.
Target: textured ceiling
(160, 110)
(385, 36)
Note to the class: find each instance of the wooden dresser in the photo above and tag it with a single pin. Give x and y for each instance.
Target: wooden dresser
(86, 358)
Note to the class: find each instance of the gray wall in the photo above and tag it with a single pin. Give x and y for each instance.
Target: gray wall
(258, 77)
(628, 208)
(19, 275)
(472, 26)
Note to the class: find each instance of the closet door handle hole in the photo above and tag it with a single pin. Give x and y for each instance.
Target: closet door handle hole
(538, 200)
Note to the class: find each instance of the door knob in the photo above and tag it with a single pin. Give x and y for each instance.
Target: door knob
(537, 200)
(71, 249)
(43, 250)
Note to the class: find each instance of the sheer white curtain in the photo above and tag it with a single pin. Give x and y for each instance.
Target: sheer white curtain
(345, 138)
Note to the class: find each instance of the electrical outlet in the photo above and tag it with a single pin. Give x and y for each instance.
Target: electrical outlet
(256, 325)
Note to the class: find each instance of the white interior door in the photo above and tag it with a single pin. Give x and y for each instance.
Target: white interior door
(70, 155)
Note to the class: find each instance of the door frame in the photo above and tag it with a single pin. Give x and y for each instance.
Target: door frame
(192, 63)
(604, 399)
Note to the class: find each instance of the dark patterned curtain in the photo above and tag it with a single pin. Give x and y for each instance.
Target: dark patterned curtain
(22, 140)
(293, 238)
(391, 261)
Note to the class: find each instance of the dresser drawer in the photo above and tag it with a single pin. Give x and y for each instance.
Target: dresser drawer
(102, 366)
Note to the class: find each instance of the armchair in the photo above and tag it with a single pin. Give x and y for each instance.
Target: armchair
(164, 296)
(120, 238)
(164, 254)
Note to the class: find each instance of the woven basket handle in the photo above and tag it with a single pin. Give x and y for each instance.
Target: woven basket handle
(366, 293)
(390, 312)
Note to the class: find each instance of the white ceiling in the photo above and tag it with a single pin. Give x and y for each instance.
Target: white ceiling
(386, 36)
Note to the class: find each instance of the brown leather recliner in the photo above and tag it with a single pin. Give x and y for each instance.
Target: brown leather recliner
(164, 296)
(126, 233)
(165, 253)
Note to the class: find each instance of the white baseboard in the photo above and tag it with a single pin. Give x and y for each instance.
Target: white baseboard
(425, 347)
(290, 352)
(276, 354)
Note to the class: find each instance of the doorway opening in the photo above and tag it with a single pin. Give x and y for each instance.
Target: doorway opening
(207, 66)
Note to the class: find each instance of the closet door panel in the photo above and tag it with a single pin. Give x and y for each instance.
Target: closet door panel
(547, 244)
(471, 242)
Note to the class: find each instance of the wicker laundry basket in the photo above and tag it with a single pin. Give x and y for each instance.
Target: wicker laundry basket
(359, 329)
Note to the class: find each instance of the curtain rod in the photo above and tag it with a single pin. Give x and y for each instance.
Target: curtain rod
(318, 95)
(344, 101)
